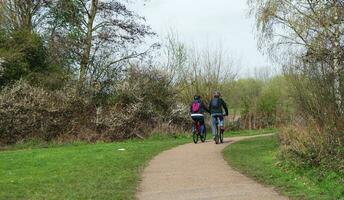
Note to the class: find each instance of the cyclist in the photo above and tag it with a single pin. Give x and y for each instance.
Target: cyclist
(197, 110)
(216, 106)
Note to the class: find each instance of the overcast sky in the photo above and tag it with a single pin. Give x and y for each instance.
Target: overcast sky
(203, 22)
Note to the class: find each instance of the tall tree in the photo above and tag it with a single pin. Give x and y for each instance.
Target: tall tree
(309, 35)
(18, 14)
(99, 28)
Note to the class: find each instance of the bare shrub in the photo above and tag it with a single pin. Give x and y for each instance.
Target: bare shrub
(176, 122)
(307, 143)
(126, 122)
(32, 112)
(144, 101)
(179, 117)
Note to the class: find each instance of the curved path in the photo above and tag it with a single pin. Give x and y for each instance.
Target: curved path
(199, 172)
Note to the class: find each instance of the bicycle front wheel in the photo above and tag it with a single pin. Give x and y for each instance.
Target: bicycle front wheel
(195, 137)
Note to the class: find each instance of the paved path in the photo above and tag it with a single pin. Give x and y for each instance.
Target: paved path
(199, 172)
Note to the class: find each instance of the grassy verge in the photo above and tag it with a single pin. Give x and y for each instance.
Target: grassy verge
(39, 144)
(82, 171)
(248, 132)
(258, 158)
(39, 170)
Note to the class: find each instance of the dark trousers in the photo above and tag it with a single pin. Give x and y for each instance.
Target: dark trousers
(201, 120)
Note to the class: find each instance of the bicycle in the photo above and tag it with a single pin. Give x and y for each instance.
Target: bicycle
(218, 134)
(196, 132)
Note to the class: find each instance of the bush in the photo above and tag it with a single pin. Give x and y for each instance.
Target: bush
(32, 112)
(144, 101)
(309, 145)
(22, 53)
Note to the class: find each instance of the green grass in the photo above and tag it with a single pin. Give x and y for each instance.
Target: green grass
(40, 170)
(248, 132)
(38, 144)
(83, 171)
(258, 159)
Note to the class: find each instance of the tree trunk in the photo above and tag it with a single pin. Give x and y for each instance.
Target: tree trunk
(87, 44)
(99, 111)
(336, 65)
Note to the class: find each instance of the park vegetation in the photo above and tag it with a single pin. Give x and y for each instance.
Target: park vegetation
(76, 69)
(84, 70)
(307, 38)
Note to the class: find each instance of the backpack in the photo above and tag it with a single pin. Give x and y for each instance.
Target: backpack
(196, 106)
(216, 103)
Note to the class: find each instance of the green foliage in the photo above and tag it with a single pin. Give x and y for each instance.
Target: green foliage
(258, 158)
(22, 53)
(67, 13)
(275, 104)
(268, 101)
(258, 103)
(248, 91)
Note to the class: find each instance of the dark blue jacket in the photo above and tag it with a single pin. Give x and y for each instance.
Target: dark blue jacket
(218, 109)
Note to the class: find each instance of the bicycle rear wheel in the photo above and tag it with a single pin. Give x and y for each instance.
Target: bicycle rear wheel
(221, 136)
(217, 135)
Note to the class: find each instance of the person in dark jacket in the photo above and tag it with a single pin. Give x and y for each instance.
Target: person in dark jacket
(216, 107)
(197, 110)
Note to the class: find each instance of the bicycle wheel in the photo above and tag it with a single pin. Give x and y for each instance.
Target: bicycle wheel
(221, 136)
(217, 135)
(195, 136)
